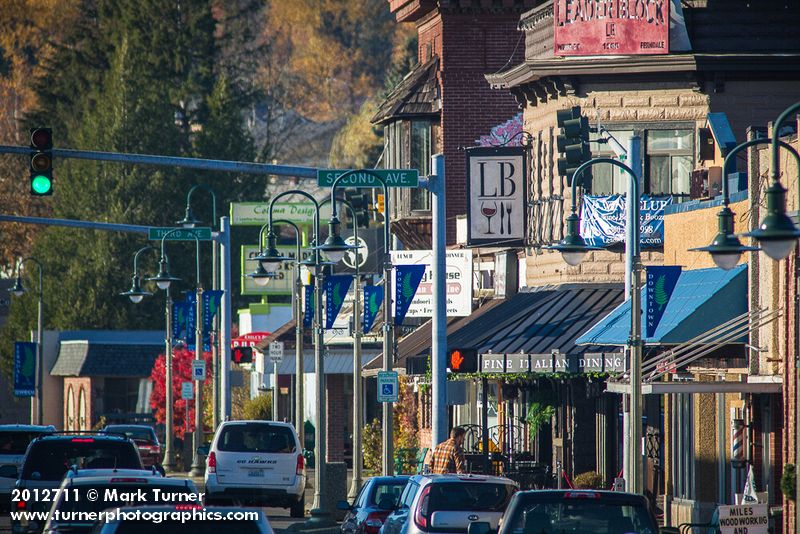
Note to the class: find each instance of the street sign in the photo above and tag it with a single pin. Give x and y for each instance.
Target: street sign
(276, 351)
(392, 177)
(358, 255)
(187, 390)
(749, 518)
(387, 386)
(180, 234)
(199, 370)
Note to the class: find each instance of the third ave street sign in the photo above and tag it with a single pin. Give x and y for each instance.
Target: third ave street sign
(392, 177)
(181, 234)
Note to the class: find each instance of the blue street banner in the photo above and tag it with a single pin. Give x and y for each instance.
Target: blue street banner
(181, 311)
(24, 369)
(373, 297)
(660, 283)
(603, 220)
(336, 288)
(308, 316)
(407, 280)
(211, 302)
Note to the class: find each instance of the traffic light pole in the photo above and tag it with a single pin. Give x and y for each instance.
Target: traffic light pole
(436, 185)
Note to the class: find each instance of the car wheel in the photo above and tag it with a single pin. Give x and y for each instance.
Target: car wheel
(298, 509)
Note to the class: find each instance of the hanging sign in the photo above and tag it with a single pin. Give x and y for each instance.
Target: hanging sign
(497, 196)
(603, 220)
(257, 213)
(458, 281)
(336, 288)
(373, 297)
(748, 518)
(407, 279)
(661, 282)
(24, 369)
(604, 27)
(308, 316)
(248, 340)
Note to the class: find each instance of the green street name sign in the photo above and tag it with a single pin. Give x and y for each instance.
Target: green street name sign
(181, 234)
(392, 177)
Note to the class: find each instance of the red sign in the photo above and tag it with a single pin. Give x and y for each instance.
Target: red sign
(611, 27)
(248, 340)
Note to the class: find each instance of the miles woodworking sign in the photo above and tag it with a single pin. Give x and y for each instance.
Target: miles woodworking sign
(743, 519)
(611, 27)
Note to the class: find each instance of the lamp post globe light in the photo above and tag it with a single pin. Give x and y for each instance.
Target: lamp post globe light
(37, 410)
(136, 294)
(261, 276)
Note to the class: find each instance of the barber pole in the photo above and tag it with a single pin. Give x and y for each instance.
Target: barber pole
(737, 442)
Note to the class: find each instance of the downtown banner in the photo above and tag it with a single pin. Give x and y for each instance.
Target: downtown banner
(24, 369)
(660, 282)
(407, 280)
(373, 297)
(336, 288)
(308, 315)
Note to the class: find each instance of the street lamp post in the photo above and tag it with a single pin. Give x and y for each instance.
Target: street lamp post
(17, 291)
(388, 331)
(320, 515)
(164, 280)
(190, 221)
(333, 245)
(573, 249)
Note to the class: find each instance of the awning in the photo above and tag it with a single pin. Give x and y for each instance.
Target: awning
(541, 321)
(702, 299)
(337, 362)
(691, 386)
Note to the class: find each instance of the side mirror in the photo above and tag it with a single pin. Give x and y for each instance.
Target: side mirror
(8, 471)
(343, 505)
(478, 527)
(203, 450)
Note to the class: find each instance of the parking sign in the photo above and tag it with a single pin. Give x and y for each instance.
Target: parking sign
(187, 390)
(199, 370)
(276, 351)
(387, 386)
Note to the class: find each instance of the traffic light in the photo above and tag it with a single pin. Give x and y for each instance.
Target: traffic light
(361, 206)
(242, 354)
(41, 164)
(463, 361)
(573, 144)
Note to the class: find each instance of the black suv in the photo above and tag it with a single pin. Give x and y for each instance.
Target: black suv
(50, 457)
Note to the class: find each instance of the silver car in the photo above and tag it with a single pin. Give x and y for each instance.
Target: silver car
(449, 503)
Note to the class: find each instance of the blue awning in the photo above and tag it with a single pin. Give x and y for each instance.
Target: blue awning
(702, 300)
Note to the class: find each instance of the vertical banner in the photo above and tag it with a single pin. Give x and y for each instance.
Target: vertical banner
(211, 303)
(180, 320)
(373, 297)
(407, 281)
(191, 326)
(497, 196)
(661, 283)
(336, 288)
(308, 316)
(24, 369)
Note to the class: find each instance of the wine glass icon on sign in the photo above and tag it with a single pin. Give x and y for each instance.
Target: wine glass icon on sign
(489, 210)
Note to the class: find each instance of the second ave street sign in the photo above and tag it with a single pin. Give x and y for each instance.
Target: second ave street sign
(392, 177)
(181, 234)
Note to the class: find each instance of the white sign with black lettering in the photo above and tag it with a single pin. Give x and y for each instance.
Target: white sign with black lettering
(497, 196)
(458, 281)
(743, 519)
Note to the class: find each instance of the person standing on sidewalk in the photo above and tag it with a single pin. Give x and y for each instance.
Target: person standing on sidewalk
(448, 456)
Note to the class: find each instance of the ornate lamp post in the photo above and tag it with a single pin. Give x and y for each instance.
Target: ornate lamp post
(18, 290)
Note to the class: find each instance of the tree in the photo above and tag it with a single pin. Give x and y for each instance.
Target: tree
(181, 372)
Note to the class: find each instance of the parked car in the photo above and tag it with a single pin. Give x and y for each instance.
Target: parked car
(449, 503)
(375, 501)
(199, 520)
(14, 441)
(145, 438)
(578, 511)
(50, 457)
(258, 463)
(115, 487)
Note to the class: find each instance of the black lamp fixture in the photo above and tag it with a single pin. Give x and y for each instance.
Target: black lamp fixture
(135, 293)
(18, 288)
(163, 279)
(572, 247)
(261, 276)
(726, 249)
(189, 220)
(335, 246)
(271, 259)
(777, 233)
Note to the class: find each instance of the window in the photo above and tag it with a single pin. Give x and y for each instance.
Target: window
(421, 159)
(668, 161)
(409, 145)
(82, 422)
(256, 438)
(408, 495)
(70, 423)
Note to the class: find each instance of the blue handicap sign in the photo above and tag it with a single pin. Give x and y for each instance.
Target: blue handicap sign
(388, 389)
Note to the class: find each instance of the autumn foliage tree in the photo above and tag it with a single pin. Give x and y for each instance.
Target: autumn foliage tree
(181, 372)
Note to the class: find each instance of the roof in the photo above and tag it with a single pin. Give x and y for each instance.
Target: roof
(416, 95)
(280, 332)
(702, 299)
(105, 353)
(337, 362)
(419, 341)
(27, 428)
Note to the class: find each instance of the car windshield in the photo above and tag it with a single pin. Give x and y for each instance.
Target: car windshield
(112, 496)
(256, 438)
(583, 515)
(190, 527)
(386, 496)
(50, 460)
(469, 496)
(16, 442)
(142, 434)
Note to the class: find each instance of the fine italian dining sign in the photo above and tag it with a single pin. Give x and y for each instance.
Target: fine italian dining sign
(611, 27)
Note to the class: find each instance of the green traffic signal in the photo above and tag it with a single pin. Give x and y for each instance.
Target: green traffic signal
(41, 162)
(41, 185)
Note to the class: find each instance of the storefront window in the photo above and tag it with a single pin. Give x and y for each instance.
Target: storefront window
(409, 145)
